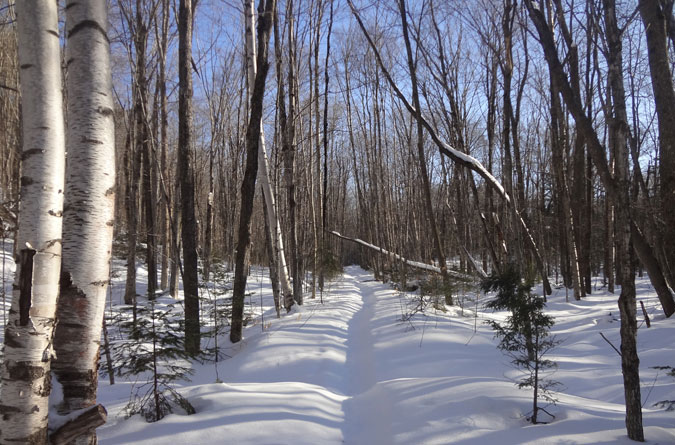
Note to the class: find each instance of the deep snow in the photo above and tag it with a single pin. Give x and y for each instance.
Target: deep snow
(350, 371)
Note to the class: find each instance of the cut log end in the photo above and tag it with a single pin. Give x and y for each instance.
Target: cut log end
(87, 421)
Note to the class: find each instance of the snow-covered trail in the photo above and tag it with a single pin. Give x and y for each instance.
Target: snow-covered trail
(349, 371)
(367, 416)
(307, 378)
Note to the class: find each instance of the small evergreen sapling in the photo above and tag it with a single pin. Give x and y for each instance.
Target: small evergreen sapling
(525, 334)
(155, 351)
(218, 311)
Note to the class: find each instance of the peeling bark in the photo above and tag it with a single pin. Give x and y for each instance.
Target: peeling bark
(25, 372)
(87, 234)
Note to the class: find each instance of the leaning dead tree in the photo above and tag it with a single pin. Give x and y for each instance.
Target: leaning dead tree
(396, 257)
(455, 155)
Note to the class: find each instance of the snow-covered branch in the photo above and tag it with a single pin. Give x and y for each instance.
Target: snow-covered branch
(397, 257)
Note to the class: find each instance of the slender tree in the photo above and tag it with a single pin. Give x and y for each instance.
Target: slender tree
(655, 16)
(421, 157)
(268, 195)
(186, 178)
(164, 204)
(253, 131)
(287, 136)
(617, 188)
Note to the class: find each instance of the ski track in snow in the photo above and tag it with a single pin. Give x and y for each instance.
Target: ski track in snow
(367, 417)
(349, 371)
(310, 378)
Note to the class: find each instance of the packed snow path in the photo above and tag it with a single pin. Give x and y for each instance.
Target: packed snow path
(351, 371)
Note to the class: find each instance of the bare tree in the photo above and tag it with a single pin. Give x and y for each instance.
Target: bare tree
(268, 195)
(618, 190)
(655, 16)
(457, 156)
(421, 157)
(186, 178)
(253, 131)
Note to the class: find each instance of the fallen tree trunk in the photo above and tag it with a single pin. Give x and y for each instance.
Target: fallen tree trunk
(88, 420)
(397, 257)
(459, 157)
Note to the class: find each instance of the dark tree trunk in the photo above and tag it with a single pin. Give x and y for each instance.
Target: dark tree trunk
(654, 16)
(186, 180)
(165, 204)
(630, 363)
(208, 230)
(265, 19)
(617, 189)
(288, 150)
(132, 166)
(426, 182)
(514, 245)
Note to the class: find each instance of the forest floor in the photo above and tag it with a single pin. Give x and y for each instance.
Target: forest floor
(351, 370)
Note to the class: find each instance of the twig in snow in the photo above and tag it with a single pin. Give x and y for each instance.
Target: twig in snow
(650, 389)
(610, 343)
(423, 326)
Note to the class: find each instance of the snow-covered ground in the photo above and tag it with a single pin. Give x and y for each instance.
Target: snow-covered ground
(350, 371)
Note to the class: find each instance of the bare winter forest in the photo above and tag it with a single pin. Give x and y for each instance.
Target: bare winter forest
(157, 154)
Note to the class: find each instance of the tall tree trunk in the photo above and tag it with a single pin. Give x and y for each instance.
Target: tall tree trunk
(571, 262)
(324, 216)
(440, 255)
(268, 195)
(287, 133)
(25, 372)
(253, 133)
(88, 211)
(654, 17)
(186, 179)
(617, 189)
(165, 204)
(132, 168)
(618, 126)
(507, 72)
(315, 112)
(208, 230)
(142, 146)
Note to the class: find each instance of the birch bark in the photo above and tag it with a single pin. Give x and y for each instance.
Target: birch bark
(251, 171)
(25, 371)
(89, 206)
(263, 164)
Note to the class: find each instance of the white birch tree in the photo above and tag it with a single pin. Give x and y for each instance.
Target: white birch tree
(263, 164)
(25, 372)
(89, 203)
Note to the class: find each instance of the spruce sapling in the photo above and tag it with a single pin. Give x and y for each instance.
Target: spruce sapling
(525, 335)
